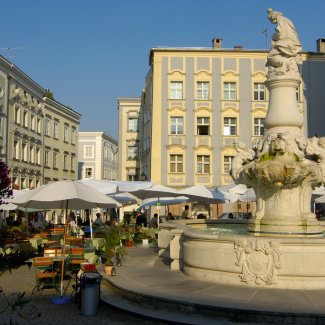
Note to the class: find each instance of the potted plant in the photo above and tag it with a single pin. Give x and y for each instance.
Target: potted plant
(111, 241)
(127, 237)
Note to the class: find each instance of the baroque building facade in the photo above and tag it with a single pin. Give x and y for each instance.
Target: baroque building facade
(28, 143)
(97, 156)
(197, 101)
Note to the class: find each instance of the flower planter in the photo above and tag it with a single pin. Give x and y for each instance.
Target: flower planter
(109, 270)
(129, 243)
(145, 242)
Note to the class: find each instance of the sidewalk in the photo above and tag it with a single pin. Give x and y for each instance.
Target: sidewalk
(145, 284)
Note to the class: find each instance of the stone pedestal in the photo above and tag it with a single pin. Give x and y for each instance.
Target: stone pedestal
(283, 168)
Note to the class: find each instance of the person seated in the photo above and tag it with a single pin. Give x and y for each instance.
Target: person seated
(154, 221)
(98, 221)
(141, 220)
(36, 223)
(170, 216)
(201, 216)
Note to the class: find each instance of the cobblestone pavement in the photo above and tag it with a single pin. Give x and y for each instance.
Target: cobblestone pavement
(23, 280)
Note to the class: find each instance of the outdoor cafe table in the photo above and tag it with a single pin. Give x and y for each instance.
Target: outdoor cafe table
(89, 252)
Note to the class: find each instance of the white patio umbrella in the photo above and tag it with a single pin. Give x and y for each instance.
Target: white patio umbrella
(103, 186)
(65, 195)
(113, 187)
(157, 192)
(164, 201)
(124, 198)
(320, 199)
(202, 193)
(248, 196)
(231, 192)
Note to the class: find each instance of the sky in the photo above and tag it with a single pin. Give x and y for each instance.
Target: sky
(89, 53)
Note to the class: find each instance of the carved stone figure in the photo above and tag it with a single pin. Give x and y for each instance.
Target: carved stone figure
(286, 47)
(259, 260)
(242, 157)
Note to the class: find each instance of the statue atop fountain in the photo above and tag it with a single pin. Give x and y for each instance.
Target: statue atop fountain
(284, 166)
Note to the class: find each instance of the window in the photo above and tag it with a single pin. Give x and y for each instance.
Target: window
(88, 152)
(32, 122)
(17, 114)
(259, 126)
(132, 152)
(16, 149)
(229, 91)
(38, 156)
(176, 125)
(25, 119)
(132, 178)
(227, 164)
(46, 158)
(203, 164)
(73, 136)
(47, 127)
(176, 90)
(259, 91)
(203, 126)
(30, 185)
(230, 126)
(133, 124)
(72, 163)
(65, 162)
(38, 183)
(202, 91)
(38, 125)
(55, 159)
(55, 130)
(66, 134)
(176, 163)
(23, 182)
(88, 172)
(32, 154)
(24, 152)
(1, 126)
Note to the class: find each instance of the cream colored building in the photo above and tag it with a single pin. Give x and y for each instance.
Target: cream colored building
(61, 128)
(198, 101)
(24, 117)
(129, 138)
(97, 156)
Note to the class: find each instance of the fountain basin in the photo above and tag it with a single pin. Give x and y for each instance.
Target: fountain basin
(244, 260)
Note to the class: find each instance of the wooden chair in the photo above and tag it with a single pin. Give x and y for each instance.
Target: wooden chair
(75, 259)
(46, 277)
(52, 252)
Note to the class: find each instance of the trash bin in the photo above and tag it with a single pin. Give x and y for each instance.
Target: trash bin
(90, 293)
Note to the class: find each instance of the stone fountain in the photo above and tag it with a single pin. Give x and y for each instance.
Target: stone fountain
(285, 245)
(284, 166)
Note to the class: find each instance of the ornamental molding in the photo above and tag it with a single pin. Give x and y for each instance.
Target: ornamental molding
(258, 74)
(259, 260)
(230, 73)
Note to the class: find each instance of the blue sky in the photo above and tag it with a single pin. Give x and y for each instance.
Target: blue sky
(89, 53)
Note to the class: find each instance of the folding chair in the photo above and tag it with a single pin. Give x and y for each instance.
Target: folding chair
(45, 275)
(52, 252)
(75, 259)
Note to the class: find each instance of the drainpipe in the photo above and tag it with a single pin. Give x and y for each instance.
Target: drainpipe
(8, 118)
(43, 139)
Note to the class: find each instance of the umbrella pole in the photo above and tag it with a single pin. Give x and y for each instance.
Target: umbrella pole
(91, 226)
(63, 252)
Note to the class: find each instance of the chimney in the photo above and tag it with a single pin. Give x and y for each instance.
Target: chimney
(238, 47)
(217, 43)
(320, 45)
